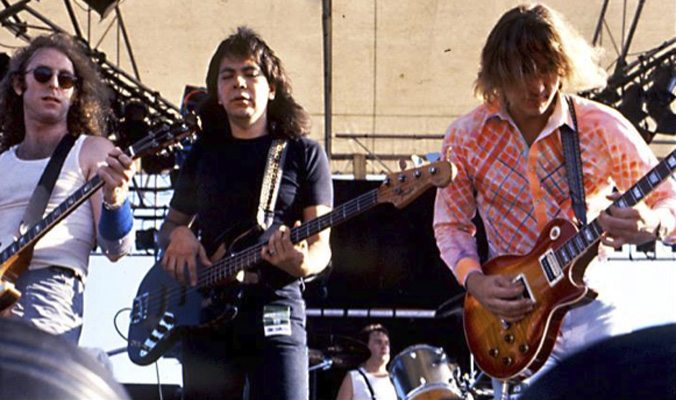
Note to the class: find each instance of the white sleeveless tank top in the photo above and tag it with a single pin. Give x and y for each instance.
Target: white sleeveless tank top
(382, 386)
(67, 244)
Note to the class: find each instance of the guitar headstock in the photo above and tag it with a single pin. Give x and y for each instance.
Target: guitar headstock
(401, 188)
(164, 137)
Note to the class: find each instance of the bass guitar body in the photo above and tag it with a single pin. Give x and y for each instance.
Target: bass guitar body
(164, 309)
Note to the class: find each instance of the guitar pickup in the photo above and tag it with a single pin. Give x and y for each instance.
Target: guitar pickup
(139, 311)
(550, 267)
(527, 292)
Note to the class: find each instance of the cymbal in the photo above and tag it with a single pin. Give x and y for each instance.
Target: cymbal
(451, 307)
(344, 352)
(316, 356)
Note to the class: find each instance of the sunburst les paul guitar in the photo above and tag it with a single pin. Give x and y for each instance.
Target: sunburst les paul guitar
(163, 308)
(552, 276)
(16, 257)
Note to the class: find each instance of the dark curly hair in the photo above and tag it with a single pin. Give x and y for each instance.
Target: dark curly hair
(286, 118)
(87, 113)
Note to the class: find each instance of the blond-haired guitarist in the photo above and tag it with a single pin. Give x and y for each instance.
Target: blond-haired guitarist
(511, 172)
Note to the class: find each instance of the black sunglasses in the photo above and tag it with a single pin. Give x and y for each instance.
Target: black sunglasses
(44, 74)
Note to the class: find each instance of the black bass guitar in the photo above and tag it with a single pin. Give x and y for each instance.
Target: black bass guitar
(163, 308)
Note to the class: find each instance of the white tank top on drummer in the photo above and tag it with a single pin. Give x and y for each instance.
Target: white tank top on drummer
(69, 243)
(382, 386)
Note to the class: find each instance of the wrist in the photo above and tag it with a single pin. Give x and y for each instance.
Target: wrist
(111, 206)
(116, 223)
(472, 276)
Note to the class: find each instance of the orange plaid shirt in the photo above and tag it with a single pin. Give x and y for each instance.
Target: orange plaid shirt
(518, 189)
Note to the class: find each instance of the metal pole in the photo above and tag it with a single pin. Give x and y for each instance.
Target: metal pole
(622, 61)
(327, 23)
(599, 26)
(127, 43)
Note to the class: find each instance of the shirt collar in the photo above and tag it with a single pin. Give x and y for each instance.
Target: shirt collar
(560, 116)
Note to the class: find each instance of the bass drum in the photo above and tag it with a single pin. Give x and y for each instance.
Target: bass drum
(422, 372)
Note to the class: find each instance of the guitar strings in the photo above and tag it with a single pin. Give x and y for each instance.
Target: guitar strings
(226, 267)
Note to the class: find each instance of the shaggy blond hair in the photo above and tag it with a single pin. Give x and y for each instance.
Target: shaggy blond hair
(534, 40)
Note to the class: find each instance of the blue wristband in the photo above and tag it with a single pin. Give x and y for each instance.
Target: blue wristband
(116, 224)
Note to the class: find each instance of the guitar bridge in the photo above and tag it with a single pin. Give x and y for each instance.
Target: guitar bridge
(550, 267)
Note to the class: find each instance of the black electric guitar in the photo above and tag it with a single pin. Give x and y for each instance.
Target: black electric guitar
(15, 258)
(163, 308)
(552, 276)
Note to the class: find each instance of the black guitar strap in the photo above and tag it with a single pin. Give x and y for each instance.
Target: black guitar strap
(571, 152)
(368, 384)
(40, 198)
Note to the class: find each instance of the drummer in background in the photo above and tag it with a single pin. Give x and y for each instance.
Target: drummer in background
(371, 380)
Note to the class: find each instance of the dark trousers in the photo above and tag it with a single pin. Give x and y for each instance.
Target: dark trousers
(237, 361)
(639, 365)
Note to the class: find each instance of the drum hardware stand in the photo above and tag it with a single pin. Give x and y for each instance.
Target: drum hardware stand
(475, 380)
(505, 390)
(507, 386)
(469, 383)
(322, 366)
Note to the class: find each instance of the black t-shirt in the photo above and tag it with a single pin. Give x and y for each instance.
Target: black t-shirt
(220, 183)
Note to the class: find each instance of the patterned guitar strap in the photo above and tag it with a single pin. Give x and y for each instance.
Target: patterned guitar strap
(271, 181)
(571, 152)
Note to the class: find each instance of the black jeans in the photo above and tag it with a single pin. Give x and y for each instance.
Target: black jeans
(221, 362)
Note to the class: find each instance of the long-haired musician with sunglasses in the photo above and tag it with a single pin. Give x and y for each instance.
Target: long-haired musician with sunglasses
(52, 89)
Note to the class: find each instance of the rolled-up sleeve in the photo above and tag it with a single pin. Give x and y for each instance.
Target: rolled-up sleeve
(454, 209)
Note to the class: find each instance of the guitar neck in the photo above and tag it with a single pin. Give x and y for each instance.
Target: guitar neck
(64, 209)
(591, 233)
(157, 140)
(229, 266)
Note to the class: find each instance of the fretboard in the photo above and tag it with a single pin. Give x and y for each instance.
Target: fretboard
(229, 266)
(156, 140)
(55, 216)
(590, 234)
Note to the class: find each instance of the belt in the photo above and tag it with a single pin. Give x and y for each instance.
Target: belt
(67, 272)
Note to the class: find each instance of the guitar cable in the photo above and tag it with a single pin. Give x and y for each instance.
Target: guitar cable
(117, 329)
(157, 365)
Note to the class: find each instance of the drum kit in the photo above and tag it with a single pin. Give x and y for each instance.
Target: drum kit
(419, 372)
(423, 372)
